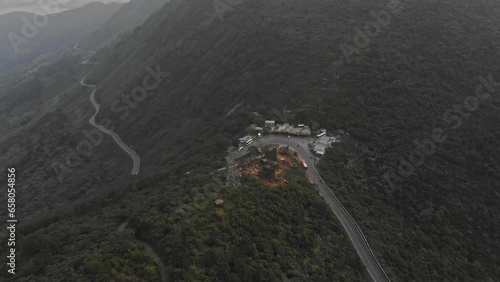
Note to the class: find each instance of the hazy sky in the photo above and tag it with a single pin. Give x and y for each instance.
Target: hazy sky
(51, 6)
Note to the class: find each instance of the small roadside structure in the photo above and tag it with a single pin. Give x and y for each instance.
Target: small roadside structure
(322, 143)
(246, 140)
(269, 123)
(290, 130)
(219, 203)
(326, 140)
(320, 149)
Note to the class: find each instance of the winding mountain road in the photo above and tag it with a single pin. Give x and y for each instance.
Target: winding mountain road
(135, 158)
(86, 62)
(161, 266)
(356, 236)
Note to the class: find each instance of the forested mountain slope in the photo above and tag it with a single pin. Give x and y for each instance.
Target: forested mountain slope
(130, 16)
(439, 222)
(24, 36)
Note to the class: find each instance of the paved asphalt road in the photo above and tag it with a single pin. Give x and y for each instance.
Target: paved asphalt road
(136, 159)
(161, 266)
(91, 53)
(357, 237)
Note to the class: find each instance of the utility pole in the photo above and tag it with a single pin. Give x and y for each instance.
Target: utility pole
(232, 180)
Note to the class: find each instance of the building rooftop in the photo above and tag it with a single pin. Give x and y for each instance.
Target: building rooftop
(325, 140)
(320, 152)
(289, 129)
(245, 139)
(320, 147)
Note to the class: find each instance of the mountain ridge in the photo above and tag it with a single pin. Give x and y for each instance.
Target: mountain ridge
(439, 223)
(23, 36)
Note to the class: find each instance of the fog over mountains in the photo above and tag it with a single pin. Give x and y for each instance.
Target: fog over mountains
(46, 6)
(406, 92)
(62, 29)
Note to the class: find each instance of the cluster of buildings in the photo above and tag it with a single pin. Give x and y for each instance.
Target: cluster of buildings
(318, 146)
(270, 126)
(246, 140)
(323, 142)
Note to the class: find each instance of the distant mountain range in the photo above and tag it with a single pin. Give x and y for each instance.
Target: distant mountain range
(131, 15)
(21, 39)
(33, 6)
(412, 89)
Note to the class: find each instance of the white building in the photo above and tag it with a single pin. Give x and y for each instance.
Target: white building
(322, 143)
(246, 140)
(269, 123)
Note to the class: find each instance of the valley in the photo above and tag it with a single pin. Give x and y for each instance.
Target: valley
(358, 192)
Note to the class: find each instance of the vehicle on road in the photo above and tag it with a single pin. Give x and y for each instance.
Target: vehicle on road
(240, 148)
(349, 224)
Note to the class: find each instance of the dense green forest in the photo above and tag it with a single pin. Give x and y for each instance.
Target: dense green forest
(24, 37)
(438, 223)
(442, 220)
(260, 234)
